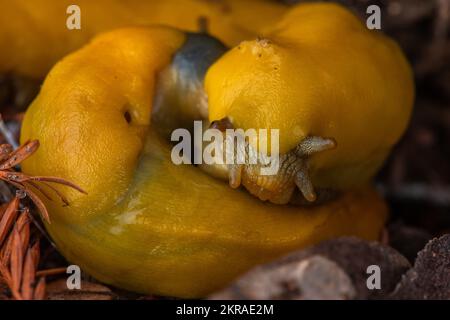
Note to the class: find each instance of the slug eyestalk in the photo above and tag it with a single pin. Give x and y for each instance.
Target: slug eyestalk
(293, 169)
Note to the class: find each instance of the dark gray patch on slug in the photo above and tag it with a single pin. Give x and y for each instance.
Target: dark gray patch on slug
(180, 98)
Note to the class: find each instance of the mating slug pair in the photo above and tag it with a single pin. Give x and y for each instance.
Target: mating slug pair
(340, 95)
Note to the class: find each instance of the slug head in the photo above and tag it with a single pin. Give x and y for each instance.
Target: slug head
(319, 72)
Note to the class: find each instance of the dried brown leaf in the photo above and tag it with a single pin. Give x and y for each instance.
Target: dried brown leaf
(5, 252)
(40, 189)
(20, 154)
(7, 278)
(23, 225)
(3, 209)
(58, 193)
(36, 200)
(16, 262)
(55, 180)
(29, 273)
(8, 218)
(51, 272)
(40, 290)
(36, 251)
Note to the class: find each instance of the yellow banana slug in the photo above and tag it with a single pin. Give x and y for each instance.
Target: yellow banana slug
(339, 94)
(34, 35)
(146, 224)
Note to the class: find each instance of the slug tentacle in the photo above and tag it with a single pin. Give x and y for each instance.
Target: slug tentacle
(304, 184)
(313, 144)
(235, 175)
(293, 172)
(293, 168)
(306, 148)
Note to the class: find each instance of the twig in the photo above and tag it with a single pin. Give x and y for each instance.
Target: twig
(51, 272)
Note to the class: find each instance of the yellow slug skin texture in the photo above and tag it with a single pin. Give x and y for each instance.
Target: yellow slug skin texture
(319, 72)
(148, 225)
(34, 36)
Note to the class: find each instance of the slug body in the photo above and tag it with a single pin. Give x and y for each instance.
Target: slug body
(34, 35)
(318, 74)
(146, 224)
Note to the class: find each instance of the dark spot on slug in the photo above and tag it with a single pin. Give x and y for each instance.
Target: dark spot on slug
(127, 116)
(179, 87)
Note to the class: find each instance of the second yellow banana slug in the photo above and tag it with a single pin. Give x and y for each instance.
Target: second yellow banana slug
(34, 36)
(340, 95)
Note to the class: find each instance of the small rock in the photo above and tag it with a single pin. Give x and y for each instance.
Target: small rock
(430, 277)
(313, 278)
(57, 290)
(320, 272)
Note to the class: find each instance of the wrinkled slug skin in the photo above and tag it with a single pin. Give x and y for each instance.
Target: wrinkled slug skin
(146, 224)
(34, 36)
(79, 114)
(319, 72)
